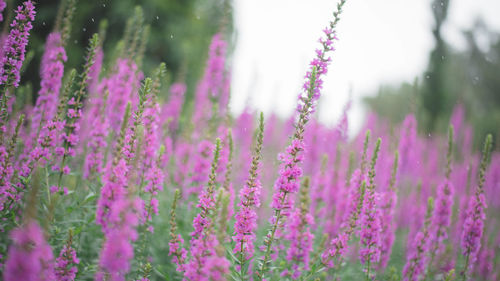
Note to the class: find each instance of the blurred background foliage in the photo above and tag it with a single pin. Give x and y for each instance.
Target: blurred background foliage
(180, 33)
(470, 77)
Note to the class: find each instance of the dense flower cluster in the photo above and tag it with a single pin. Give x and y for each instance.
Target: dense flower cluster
(441, 218)
(474, 217)
(30, 257)
(371, 229)
(299, 234)
(205, 264)
(118, 250)
(65, 268)
(246, 217)
(14, 48)
(52, 70)
(417, 257)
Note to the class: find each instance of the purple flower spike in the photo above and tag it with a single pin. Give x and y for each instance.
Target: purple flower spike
(14, 48)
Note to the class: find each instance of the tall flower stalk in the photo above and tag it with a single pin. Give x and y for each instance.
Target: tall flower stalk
(74, 111)
(246, 216)
(475, 216)
(175, 248)
(52, 70)
(441, 218)
(338, 244)
(120, 210)
(66, 264)
(14, 48)
(332, 255)
(290, 171)
(370, 235)
(13, 55)
(388, 210)
(299, 234)
(417, 257)
(205, 263)
(115, 180)
(8, 192)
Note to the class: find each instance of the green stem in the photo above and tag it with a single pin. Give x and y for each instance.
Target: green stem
(277, 215)
(368, 268)
(241, 261)
(466, 267)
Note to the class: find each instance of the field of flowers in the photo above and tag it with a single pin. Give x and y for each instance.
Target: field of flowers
(105, 177)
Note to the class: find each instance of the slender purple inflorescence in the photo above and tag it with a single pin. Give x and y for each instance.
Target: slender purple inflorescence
(441, 218)
(8, 192)
(299, 234)
(118, 251)
(152, 152)
(175, 249)
(205, 264)
(353, 196)
(442, 213)
(246, 217)
(475, 216)
(290, 171)
(370, 234)
(51, 72)
(210, 90)
(122, 84)
(407, 143)
(171, 110)
(114, 183)
(201, 168)
(96, 143)
(338, 244)
(66, 264)
(417, 256)
(117, 174)
(388, 207)
(73, 114)
(14, 48)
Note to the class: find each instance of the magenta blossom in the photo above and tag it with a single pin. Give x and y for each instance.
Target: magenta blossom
(14, 48)
(30, 258)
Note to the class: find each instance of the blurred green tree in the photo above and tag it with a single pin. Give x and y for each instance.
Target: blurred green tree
(180, 32)
(468, 77)
(434, 91)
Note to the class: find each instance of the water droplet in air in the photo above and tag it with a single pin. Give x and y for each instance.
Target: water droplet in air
(171, 36)
(104, 5)
(157, 17)
(442, 4)
(84, 29)
(427, 77)
(92, 19)
(442, 57)
(76, 41)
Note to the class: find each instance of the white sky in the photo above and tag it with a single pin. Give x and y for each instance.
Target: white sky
(381, 42)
